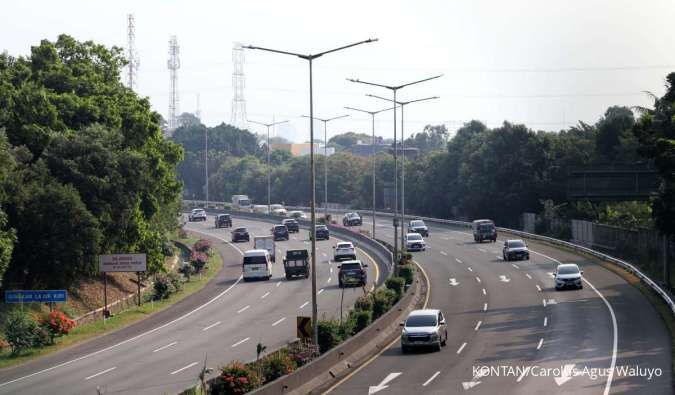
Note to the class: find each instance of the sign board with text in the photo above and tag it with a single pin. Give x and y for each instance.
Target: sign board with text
(42, 296)
(122, 263)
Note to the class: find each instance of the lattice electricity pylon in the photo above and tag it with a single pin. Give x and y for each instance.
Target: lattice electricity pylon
(132, 55)
(238, 102)
(173, 64)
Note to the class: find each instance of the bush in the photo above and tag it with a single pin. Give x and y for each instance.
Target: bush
(277, 365)
(363, 303)
(299, 354)
(395, 284)
(330, 334)
(166, 285)
(198, 260)
(235, 378)
(42, 337)
(359, 320)
(383, 299)
(20, 331)
(202, 245)
(58, 324)
(182, 234)
(407, 273)
(168, 249)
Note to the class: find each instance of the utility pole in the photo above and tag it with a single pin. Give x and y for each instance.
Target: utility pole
(269, 168)
(173, 64)
(238, 102)
(132, 55)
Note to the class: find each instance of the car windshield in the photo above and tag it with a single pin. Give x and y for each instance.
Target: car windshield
(350, 266)
(516, 244)
(280, 228)
(486, 226)
(240, 230)
(568, 270)
(416, 223)
(321, 227)
(254, 260)
(421, 320)
(343, 245)
(414, 237)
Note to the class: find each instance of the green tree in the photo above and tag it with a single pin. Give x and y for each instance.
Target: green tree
(346, 140)
(615, 125)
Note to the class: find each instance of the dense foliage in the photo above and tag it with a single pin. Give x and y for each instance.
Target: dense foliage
(84, 168)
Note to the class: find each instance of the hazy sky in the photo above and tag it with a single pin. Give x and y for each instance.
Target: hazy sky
(543, 63)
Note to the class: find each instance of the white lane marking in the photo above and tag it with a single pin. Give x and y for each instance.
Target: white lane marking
(482, 250)
(211, 326)
(477, 278)
(331, 269)
(444, 253)
(516, 266)
(545, 321)
(328, 281)
(469, 269)
(461, 348)
(189, 313)
(544, 302)
(504, 279)
(445, 238)
(165, 347)
(458, 260)
(453, 282)
(538, 288)
(484, 291)
(431, 379)
(383, 384)
(243, 309)
(279, 321)
(279, 283)
(484, 306)
(320, 291)
(541, 341)
(303, 305)
(525, 371)
(566, 374)
(528, 276)
(184, 367)
(477, 325)
(467, 385)
(240, 342)
(100, 373)
(324, 254)
(498, 257)
(265, 295)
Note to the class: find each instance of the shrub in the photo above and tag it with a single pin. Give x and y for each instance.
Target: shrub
(395, 284)
(58, 324)
(166, 284)
(168, 249)
(42, 337)
(330, 334)
(299, 354)
(277, 365)
(202, 245)
(408, 273)
(182, 234)
(198, 260)
(20, 331)
(235, 378)
(359, 320)
(383, 299)
(364, 303)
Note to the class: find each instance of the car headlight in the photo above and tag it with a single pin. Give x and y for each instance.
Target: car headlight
(434, 336)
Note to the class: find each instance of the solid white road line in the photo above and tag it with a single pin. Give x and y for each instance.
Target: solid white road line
(528, 276)
(100, 373)
(477, 325)
(541, 341)
(279, 321)
(482, 250)
(279, 283)
(516, 266)
(328, 281)
(538, 288)
(165, 347)
(461, 348)
(240, 342)
(469, 269)
(184, 367)
(303, 305)
(431, 379)
(477, 278)
(525, 371)
(484, 291)
(484, 306)
(458, 260)
(444, 253)
(211, 326)
(545, 321)
(243, 309)
(265, 295)
(320, 291)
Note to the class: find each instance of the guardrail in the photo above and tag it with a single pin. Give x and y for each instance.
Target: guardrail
(666, 296)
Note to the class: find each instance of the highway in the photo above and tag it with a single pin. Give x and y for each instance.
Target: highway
(507, 316)
(224, 322)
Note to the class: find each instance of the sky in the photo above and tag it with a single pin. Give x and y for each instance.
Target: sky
(546, 64)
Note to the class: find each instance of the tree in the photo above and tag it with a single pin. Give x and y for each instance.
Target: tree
(433, 138)
(614, 126)
(187, 120)
(346, 140)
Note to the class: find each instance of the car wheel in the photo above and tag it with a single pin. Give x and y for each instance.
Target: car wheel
(506, 258)
(444, 341)
(438, 346)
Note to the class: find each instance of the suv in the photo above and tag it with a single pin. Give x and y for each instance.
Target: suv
(352, 273)
(414, 242)
(280, 232)
(515, 249)
(292, 225)
(322, 233)
(223, 220)
(297, 214)
(240, 234)
(424, 328)
(568, 275)
(418, 226)
(344, 251)
(484, 229)
(197, 214)
(352, 219)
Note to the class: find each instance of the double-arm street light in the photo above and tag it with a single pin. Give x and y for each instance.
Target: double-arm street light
(394, 89)
(372, 150)
(325, 160)
(269, 169)
(403, 104)
(310, 58)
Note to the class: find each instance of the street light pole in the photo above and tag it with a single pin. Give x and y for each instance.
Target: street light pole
(325, 160)
(269, 168)
(403, 104)
(309, 59)
(372, 150)
(394, 89)
(206, 163)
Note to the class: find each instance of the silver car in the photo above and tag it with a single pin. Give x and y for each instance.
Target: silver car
(568, 275)
(424, 328)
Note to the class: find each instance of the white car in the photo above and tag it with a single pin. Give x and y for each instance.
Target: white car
(414, 242)
(424, 328)
(197, 214)
(344, 251)
(297, 214)
(568, 275)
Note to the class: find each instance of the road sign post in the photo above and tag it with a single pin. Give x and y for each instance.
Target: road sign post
(40, 296)
(120, 263)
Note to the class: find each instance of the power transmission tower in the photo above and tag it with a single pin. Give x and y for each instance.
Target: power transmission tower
(198, 113)
(238, 102)
(132, 55)
(173, 64)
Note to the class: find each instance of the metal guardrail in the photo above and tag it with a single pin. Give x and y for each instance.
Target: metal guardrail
(667, 297)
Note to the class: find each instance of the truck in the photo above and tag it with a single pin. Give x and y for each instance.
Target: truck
(296, 264)
(265, 243)
(241, 202)
(484, 229)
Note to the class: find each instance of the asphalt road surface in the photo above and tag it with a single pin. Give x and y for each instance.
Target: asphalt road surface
(223, 322)
(511, 332)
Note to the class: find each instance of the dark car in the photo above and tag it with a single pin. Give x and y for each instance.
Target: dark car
(352, 219)
(418, 226)
(240, 234)
(515, 249)
(322, 233)
(280, 232)
(352, 273)
(292, 225)
(296, 264)
(223, 221)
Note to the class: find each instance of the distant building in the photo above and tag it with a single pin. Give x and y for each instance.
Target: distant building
(303, 149)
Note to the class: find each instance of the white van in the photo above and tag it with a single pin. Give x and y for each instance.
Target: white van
(261, 209)
(257, 265)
